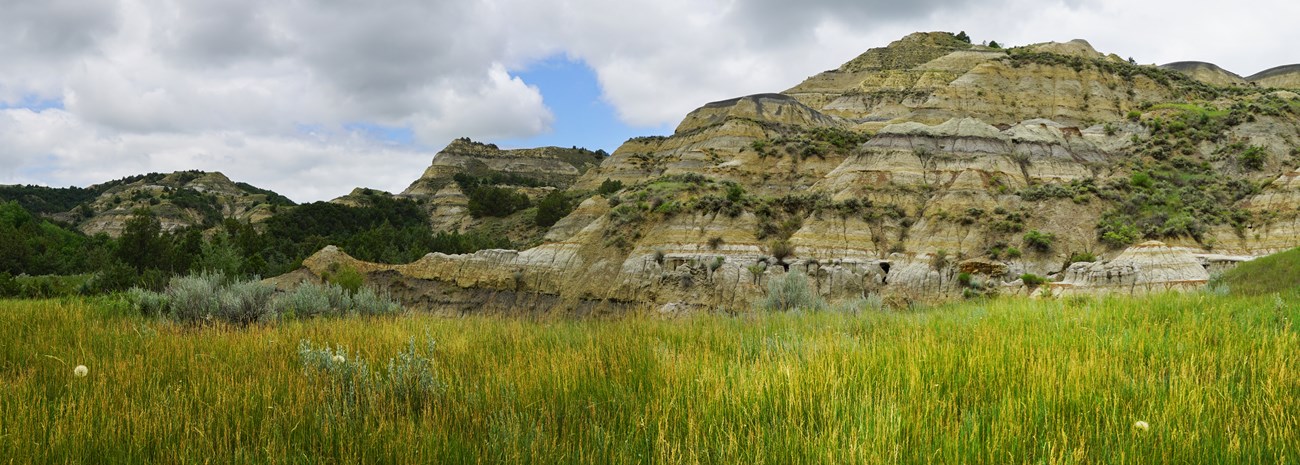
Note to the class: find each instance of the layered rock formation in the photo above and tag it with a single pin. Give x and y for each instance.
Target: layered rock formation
(768, 108)
(1278, 204)
(931, 77)
(546, 167)
(1150, 266)
(893, 174)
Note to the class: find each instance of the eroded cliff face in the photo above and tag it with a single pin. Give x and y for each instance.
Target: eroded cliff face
(931, 78)
(1148, 267)
(553, 166)
(896, 174)
(777, 109)
(535, 172)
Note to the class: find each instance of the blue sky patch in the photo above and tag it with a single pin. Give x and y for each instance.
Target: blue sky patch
(34, 103)
(390, 135)
(582, 118)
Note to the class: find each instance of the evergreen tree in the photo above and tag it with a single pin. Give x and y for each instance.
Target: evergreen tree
(219, 255)
(552, 208)
(141, 245)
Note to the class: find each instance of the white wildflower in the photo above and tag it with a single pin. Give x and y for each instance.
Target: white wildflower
(80, 371)
(338, 358)
(1141, 425)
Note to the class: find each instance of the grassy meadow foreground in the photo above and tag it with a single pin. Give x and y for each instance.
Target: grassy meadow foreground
(1003, 381)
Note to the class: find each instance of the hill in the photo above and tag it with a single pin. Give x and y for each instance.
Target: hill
(44, 200)
(1208, 73)
(1287, 77)
(1265, 275)
(891, 174)
(179, 200)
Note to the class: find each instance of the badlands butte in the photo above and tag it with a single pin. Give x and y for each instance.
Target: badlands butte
(931, 168)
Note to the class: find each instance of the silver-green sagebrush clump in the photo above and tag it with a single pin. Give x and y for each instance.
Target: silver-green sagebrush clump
(210, 297)
(791, 291)
(409, 383)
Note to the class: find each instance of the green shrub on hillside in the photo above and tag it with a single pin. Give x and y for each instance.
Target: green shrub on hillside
(609, 187)
(1039, 241)
(487, 197)
(1176, 197)
(345, 277)
(498, 179)
(1117, 233)
(1082, 257)
(42, 200)
(1253, 158)
(780, 249)
(552, 208)
(33, 245)
(1032, 280)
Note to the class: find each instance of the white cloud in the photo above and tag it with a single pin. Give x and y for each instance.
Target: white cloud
(479, 110)
(1245, 37)
(153, 85)
(41, 38)
(64, 150)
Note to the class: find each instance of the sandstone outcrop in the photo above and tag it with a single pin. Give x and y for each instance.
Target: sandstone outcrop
(1277, 207)
(770, 108)
(553, 166)
(931, 78)
(1074, 48)
(1150, 266)
(532, 171)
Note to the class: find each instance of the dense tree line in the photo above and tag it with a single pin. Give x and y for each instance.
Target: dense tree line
(143, 255)
(40, 200)
(384, 230)
(29, 244)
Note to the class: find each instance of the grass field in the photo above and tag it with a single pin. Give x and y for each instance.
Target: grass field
(1002, 381)
(1279, 272)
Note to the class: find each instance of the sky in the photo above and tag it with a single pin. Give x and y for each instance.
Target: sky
(311, 98)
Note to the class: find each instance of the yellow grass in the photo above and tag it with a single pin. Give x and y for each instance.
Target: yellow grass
(1006, 381)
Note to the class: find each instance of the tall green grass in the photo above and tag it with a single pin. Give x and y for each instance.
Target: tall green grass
(1002, 381)
(1279, 272)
